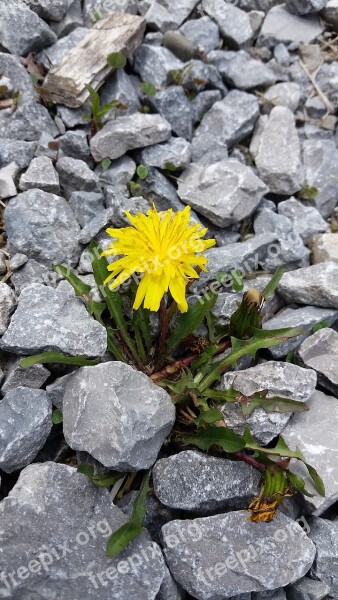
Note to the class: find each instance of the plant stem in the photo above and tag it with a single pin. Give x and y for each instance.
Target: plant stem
(249, 460)
(164, 326)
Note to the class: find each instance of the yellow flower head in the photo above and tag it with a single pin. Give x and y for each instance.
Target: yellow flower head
(164, 248)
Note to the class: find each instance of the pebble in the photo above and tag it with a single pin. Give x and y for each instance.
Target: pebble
(7, 185)
(241, 71)
(174, 106)
(146, 56)
(306, 220)
(316, 285)
(42, 175)
(75, 175)
(319, 352)
(234, 24)
(286, 94)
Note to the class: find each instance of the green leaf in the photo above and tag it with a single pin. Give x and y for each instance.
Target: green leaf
(113, 346)
(106, 479)
(321, 325)
(95, 99)
(272, 285)
(134, 188)
(169, 166)
(117, 60)
(237, 281)
(58, 357)
(81, 288)
(148, 88)
(259, 399)
(129, 531)
(57, 417)
(142, 171)
(214, 436)
(298, 483)
(317, 480)
(86, 469)
(207, 417)
(289, 357)
(188, 322)
(308, 193)
(105, 164)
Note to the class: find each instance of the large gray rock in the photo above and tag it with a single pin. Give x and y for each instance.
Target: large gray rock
(234, 24)
(27, 122)
(226, 192)
(167, 14)
(305, 7)
(174, 154)
(203, 484)
(42, 175)
(127, 133)
(223, 555)
(21, 30)
(25, 423)
(282, 26)
(242, 71)
(304, 317)
(230, 120)
(75, 175)
(306, 220)
(316, 285)
(324, 535)
(118, 415)
(174, 106)
(321, 172)
(63, 523)
(278, 156)
(146, 56)
(280, 379)
(12, 68)
(47, 319)
(203, 33)
(7, 305)
(53, 11)
(319, 352)
(315, 433)
(42, 226)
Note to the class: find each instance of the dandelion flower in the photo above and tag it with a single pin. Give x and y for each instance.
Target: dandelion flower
(164, 248)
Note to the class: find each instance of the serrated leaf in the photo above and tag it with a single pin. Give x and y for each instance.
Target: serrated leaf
(86, 469)
(272, 285)
(106, 479)
(129, 531)
(57, 417)
(214, 436)
(190, 321)
(80, 288)
(142, 171)
(58, 357)
(117, 60)
(270, 405)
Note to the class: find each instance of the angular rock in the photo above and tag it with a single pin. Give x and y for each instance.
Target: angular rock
(75, 144)
(316, 285)
(103, 8)
(49, 11)
(21, 30)
(43, 227)
(133, 205)
(7, 305)
(203, 33)
(119, 173)
(53, 55)
(305, 7)
(174, 106)
(27, 122)
(157, 188)
(70, 21)
(42, 175)
(146, 56)
(242, 71)
(207, 150)
(75, 175)
(12, 68)
(32, 272)
(226, 192)
(82, 525)
(234, 24)
(127, 133)
(209, 561)
(319, 352)
(282, 26)
(116, 414)
(16, 151)
(203, 484)
(321, 171)
(86, 206)
(315, 433)
(203, 102)
(330, 13)
(174, 154)
(304, 317)
(231, 119)
(308, 589)
(278, 156)
(56, 390)
(25, 423)
(34, 377)
(7, 185)
(306, 220)
(324, 247)
(47, 319)
(167, 14)
(120, 87)
(280, 379)
(196, 75)
(95, 225)
(284, 94)
(324, 535)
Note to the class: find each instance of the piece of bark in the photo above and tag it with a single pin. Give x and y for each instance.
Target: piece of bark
(87, 62)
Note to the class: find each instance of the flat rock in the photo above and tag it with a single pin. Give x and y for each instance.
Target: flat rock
(118, 415)
(226, 192)
(34, 377)
(278, 157)
(321, 170)
(52, 507)
(230, 120)
(146, 56)
(234, 24)
(324, 535)
(26, 421)
(316, 285)
(22, 31)
(174, 154)
(75, 175)
(241, 70)
(174, 106)
(319, 352)
(210, 562)
(42, 175)
(280, 379)
(306, 220)
(304, 317)
(127, 133)
(42, 226)
(282, 26)
(47, 319)
(7, 306)
(202, 484)
(315, 433)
